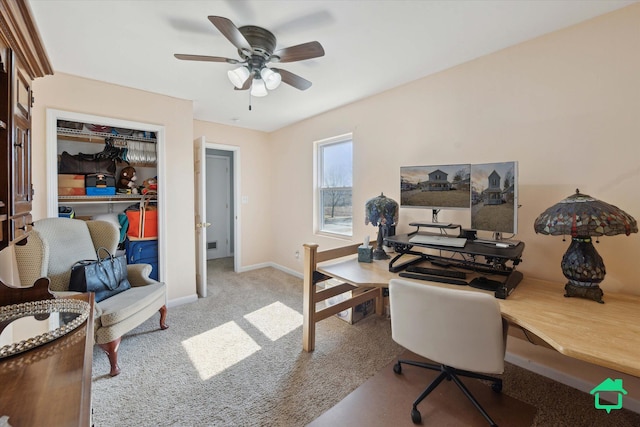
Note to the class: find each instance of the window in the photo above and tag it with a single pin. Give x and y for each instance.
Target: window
(334, 180)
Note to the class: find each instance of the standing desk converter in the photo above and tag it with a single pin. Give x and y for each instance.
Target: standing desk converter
(484, 258)
(606, 334)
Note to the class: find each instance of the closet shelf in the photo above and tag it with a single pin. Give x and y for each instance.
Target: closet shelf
(118, 198)
(97, 137)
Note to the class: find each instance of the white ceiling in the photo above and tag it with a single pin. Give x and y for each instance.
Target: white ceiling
(371, 46)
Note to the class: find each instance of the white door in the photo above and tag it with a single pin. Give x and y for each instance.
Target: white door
(199, 171)
(218, 207)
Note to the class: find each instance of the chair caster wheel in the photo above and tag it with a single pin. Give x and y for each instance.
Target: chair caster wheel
(397, 368)
(415, 416)
(497, 387)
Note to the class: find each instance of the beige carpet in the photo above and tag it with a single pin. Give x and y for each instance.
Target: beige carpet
(235, 359)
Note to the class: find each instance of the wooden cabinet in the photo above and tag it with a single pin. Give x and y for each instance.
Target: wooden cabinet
(22, 59)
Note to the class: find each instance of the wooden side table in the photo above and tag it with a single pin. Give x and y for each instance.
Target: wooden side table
(49, 384)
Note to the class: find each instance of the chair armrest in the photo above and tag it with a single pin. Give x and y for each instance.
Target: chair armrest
(138, 274)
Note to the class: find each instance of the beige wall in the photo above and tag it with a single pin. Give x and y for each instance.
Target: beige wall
(565, 106)
(255, 233)
(69, 93)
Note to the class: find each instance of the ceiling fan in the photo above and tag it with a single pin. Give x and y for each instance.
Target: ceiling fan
(256, 49)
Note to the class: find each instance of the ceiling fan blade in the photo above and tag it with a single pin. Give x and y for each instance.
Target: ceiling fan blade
(299, 52)
(205, 58)
(247, 83)
(293, 79)
(231, 32)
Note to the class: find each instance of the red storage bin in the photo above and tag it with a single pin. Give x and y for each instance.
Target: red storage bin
(143, 223)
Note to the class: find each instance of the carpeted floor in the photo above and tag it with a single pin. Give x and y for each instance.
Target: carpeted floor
(235, 359)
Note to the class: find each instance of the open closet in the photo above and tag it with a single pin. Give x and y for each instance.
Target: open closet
(107, 172)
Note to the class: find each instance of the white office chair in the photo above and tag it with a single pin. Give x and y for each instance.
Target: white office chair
(462, 331)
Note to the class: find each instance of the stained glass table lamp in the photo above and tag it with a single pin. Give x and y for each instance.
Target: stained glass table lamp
(382, 212)
(582, 217)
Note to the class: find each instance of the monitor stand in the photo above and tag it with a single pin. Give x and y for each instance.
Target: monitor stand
(497, 240)
(435, 224)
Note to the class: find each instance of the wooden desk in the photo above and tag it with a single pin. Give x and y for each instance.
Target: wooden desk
(50, 384)
(603, 334)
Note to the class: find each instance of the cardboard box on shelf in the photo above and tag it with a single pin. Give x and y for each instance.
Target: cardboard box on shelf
(72, 181)
(70, 191)
(70, 185)
(351, 315)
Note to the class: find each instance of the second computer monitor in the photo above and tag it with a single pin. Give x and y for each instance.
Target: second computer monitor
(494, 197)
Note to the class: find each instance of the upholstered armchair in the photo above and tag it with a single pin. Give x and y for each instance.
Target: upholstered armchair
(55, 244)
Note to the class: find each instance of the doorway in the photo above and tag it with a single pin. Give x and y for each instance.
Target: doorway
(219, 187)
(202, 149)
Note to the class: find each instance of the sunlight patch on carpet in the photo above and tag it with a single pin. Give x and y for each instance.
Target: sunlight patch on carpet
(275, 320)
(220, 348)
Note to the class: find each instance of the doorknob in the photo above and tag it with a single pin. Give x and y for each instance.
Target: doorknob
(203, 224)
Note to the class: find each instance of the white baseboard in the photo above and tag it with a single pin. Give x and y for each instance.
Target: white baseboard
(255, 266)
(182, 300)
(274, 265)
(569, 371)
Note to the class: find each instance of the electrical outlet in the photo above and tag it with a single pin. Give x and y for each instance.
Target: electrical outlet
(297, 254)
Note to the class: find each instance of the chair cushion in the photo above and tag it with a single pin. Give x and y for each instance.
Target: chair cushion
(128, 303)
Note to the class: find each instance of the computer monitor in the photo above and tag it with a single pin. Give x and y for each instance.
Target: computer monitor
(494, 198)
(435, 187)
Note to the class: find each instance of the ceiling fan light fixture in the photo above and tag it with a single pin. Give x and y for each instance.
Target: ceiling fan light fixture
(258, 88)
(239, 76)
(271, 78)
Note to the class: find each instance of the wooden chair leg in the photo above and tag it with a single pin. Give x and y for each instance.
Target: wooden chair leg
(111, 348)
(163, 317)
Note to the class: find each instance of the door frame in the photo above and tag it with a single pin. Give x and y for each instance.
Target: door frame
(53, 115)
(236, 219)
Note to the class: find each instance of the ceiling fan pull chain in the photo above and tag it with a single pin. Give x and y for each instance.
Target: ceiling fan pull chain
(249, 100)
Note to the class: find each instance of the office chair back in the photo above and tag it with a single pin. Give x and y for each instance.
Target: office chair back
(454, 327)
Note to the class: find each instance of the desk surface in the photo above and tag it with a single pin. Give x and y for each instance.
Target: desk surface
(604, 334)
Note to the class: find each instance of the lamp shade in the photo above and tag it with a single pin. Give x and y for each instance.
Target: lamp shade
(271, 78)
(239, 76)
(381, 210)
(583, 215)
(258, 88)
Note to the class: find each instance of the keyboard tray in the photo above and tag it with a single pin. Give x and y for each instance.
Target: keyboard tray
(437, 272)
(438, 279)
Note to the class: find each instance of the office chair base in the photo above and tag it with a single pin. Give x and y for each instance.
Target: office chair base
(451, 374)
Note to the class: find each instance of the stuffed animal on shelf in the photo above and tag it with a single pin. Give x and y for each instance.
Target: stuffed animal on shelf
(127, 181)
(150, 184)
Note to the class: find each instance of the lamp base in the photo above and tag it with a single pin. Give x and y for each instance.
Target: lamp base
(379, 253)
(588, 292)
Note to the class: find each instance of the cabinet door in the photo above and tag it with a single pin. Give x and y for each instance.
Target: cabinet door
(5, 144)
(21, 153)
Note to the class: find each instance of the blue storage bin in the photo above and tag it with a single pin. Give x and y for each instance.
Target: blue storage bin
(101, 191)
(143, 252)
